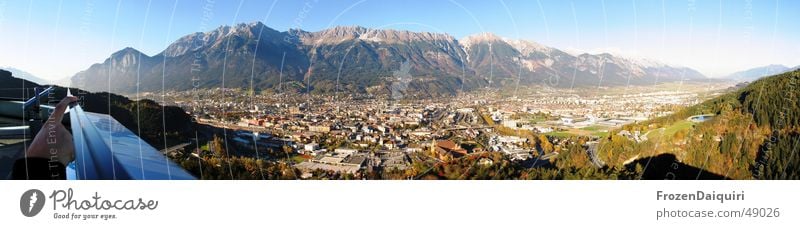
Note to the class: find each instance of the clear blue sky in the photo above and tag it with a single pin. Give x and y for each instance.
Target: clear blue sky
(55, 39)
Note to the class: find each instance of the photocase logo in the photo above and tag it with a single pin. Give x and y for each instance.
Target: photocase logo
(31, 202)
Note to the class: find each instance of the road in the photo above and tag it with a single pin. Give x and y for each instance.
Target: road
(467, 128)
(592, 151)
(547, 157)
(176, 147)
(232, 126)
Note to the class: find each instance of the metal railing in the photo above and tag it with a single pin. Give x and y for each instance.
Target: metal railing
(30, 114)
(104, 148)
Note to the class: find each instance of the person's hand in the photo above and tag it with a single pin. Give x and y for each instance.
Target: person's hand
(53, 141)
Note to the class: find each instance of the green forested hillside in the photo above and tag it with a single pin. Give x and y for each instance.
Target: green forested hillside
(754, 133)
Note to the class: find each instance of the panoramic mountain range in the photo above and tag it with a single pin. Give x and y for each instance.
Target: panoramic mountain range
(361, 60)
(758, 72)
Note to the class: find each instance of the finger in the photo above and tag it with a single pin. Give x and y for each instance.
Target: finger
(67, 100)
(58, 112)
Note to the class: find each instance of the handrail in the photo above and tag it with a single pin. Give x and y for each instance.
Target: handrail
(106, 150)
(36, 99)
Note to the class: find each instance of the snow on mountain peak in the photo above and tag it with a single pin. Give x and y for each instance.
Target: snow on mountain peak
(468, 41)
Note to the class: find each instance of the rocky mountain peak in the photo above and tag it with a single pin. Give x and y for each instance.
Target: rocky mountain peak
(126, 57)
(485, 37)
(203, 40)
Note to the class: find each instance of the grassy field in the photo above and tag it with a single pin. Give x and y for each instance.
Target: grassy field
(298, 158)
(669, 131)
(598, 131)
(593, 128)
(600, 134)
(559, 134)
